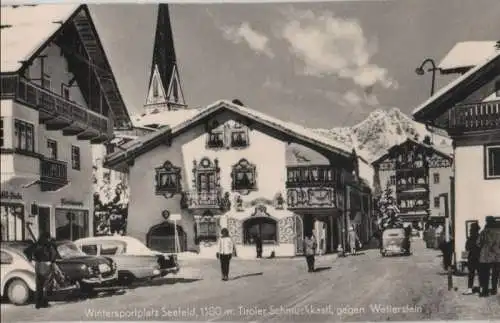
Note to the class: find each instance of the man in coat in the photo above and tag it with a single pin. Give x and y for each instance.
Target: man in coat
(489, 257)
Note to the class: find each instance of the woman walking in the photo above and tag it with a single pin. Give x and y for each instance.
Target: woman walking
(353, 239)
(310, 246)
(226, 249)
(473, 252)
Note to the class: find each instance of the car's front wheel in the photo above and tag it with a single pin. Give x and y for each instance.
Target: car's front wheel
(18, 292)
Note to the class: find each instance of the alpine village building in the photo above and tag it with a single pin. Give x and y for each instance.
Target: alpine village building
(228, 166)
(58, 98)
(468, 109)
(418, 176)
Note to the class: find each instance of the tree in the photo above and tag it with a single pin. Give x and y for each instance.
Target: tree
(387, 209)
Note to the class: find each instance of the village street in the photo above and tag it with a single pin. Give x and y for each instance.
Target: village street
(356, 288)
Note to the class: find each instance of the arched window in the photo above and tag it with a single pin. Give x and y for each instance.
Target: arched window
(263, 228)
(162, 238)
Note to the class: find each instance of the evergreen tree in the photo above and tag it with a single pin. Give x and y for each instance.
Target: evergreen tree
(387, 209)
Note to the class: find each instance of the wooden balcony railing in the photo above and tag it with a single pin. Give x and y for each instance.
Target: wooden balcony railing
(53, 105)
(313, 176)
(414, 209)
(53, 174)
(412, 187)
(475, 116)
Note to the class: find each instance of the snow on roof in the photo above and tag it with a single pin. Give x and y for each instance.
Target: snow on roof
(186, 119)
(467, 54)
(26, 28)
(454, 83)
(165, 118)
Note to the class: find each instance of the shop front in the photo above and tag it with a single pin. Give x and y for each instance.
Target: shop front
(26, 212)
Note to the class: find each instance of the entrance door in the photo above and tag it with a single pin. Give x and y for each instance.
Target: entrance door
(43, 220)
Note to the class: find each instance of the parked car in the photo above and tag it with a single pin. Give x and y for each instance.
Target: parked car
(17, 276)
(79, 268)
(134, 260)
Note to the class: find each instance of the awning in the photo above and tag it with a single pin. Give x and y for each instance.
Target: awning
(13, 187)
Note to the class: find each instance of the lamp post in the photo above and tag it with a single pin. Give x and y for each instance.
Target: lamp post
(420, 71)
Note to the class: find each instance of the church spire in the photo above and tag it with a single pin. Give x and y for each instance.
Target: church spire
(165, 90)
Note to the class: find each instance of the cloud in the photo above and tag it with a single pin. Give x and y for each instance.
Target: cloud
(329, 45)
(244, 33)
(276, 86)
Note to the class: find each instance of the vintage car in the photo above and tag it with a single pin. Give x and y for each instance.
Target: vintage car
(395, 241)
(17, 276)
(79, 268)
(134, 260)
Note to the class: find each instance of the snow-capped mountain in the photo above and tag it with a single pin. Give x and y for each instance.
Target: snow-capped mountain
(381, 130)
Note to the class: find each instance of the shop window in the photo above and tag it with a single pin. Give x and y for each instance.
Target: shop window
(75, 157)
(243, 176)
(168, 179)
(263, 228)
(52, 149)
(208, 231)
(492, 162)
(71, 224)
(24, 136)
(12, 222)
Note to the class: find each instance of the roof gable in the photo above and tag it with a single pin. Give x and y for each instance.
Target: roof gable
(409, 142)
(465, 55)
(46, 22)
(301, 134)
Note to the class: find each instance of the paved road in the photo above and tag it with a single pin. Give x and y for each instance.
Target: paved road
(366, 287)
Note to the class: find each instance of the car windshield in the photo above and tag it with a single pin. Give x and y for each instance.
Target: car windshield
(69, 250)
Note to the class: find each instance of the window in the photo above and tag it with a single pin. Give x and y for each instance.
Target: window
(436, 202)
(46, 82)
(155, 87)
(215, 139)
(393, 179)
(12, 222)
(243, 175)
(75, 157)
(65, 91)
(263, 228)
(239, 139)
(1, 133)
(168, 179)
(436, 178)
(90, 249)
(71, 224)
(110, 248)
(208, 231)
(492, 161)
(52, 149)
(24, 137)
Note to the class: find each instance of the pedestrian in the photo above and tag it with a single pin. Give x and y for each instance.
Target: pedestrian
(226, 250)
(353, 239)
(473, 252)
(310, 246)
(44, 253)
(489, 257)
(258, 246)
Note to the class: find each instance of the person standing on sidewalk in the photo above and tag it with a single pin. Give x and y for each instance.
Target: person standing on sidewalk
(489, 258)
(310, 246)
(353, 240)
(473, 252)
(258, 246)
(226, 250)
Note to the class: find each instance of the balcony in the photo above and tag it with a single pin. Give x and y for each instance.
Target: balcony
(53, 174)
(414, 209)
(472, 117)
(311, 198)
(412, 188)
(194, 200)
(56, 112)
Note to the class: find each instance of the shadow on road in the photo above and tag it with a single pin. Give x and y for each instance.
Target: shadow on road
(247, 275)
(319, 269)
(163, 281)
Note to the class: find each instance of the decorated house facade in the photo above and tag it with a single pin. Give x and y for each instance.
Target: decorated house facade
(58, 98)
(468, 110)
(228, 166)
(419, 177)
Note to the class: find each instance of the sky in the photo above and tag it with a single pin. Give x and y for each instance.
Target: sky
(319, 64)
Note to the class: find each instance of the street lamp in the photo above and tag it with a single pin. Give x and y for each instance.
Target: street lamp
(420, 71)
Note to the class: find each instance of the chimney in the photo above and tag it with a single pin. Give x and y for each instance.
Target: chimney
(238, 102)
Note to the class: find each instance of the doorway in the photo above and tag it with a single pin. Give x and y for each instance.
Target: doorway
(43, 220)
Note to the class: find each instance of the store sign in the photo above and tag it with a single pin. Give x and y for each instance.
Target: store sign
(71, 202)
(11, 195)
